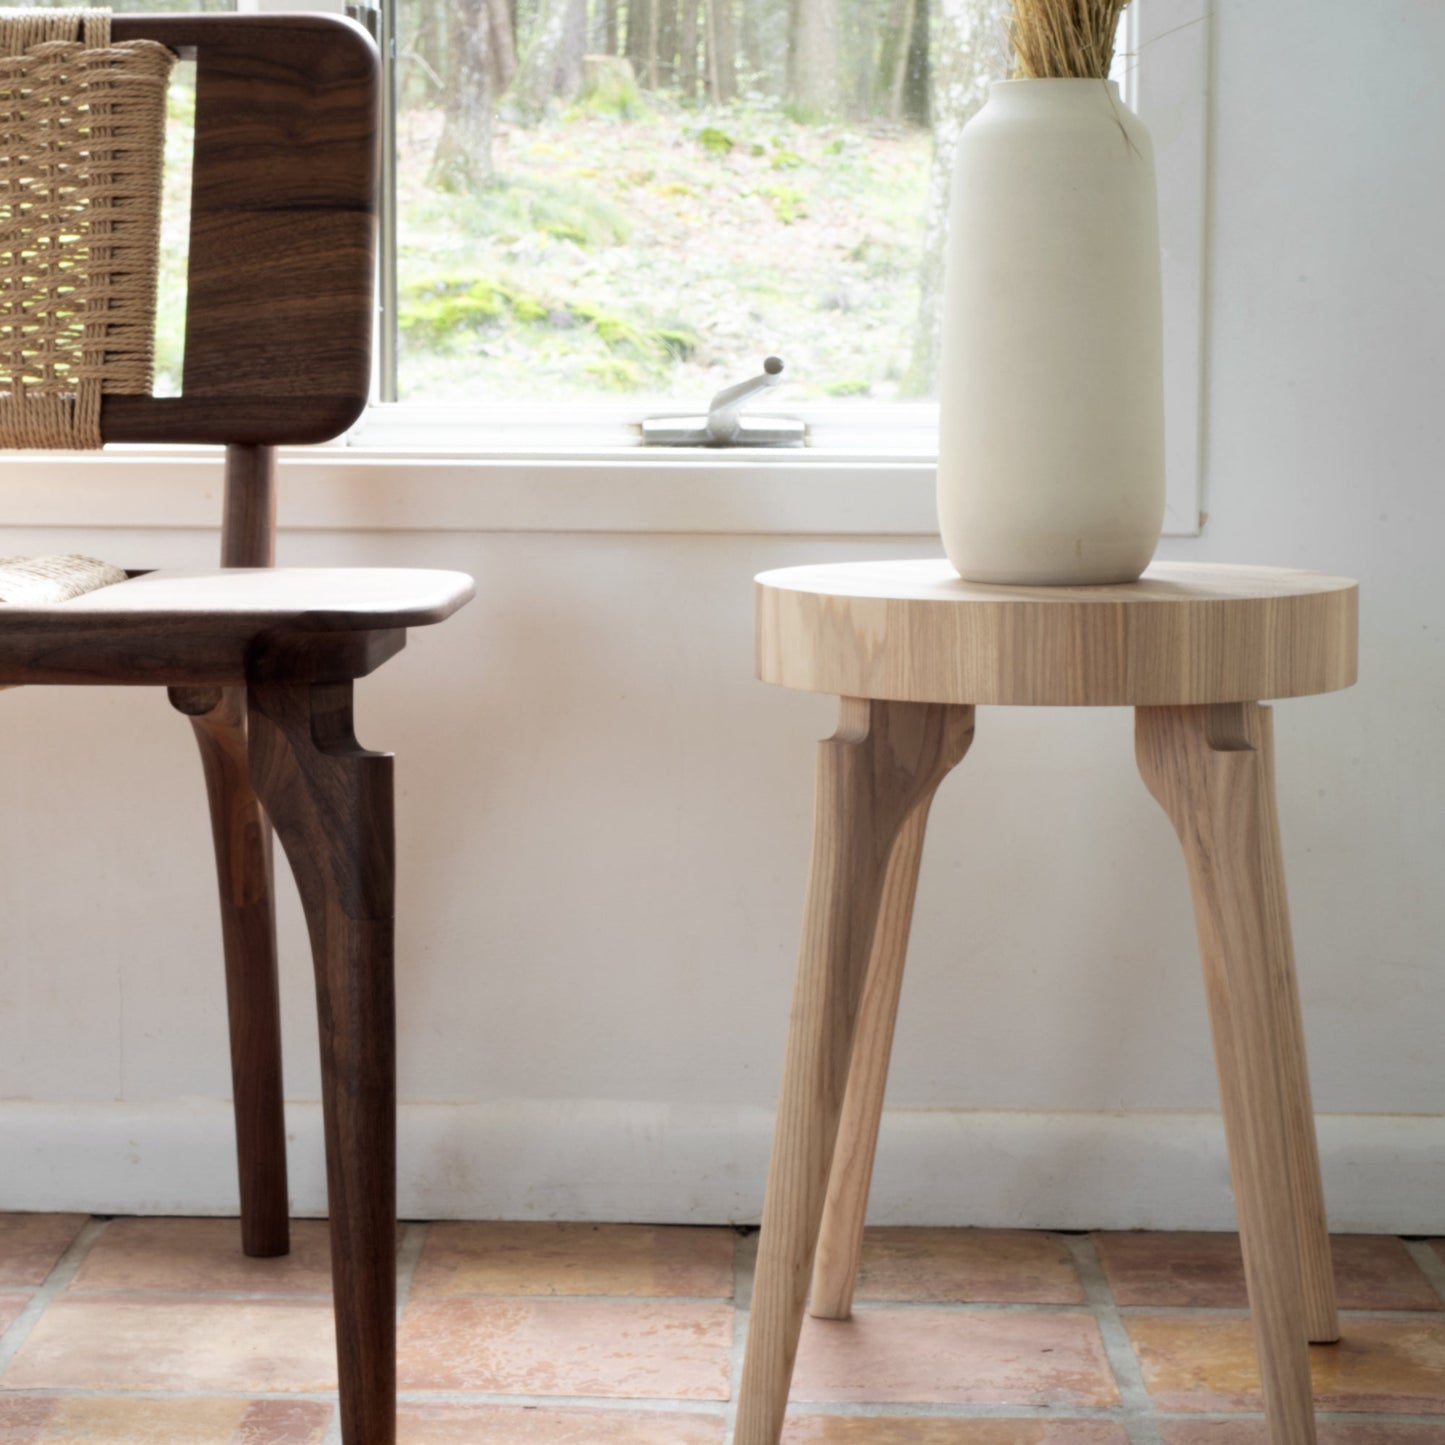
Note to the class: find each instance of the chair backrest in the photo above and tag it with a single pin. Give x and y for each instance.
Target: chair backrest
(279, 309)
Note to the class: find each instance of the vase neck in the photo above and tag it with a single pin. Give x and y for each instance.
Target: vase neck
(1061, 93)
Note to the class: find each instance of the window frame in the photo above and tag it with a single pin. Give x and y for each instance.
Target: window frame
(869, 470)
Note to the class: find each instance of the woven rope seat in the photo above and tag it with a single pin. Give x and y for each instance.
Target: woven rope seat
(82, 132)
(35, 580)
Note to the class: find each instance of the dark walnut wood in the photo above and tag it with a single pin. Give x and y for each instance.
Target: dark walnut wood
(278, 333)
(242, 839)
(282, 243)
(214, 629)
(331, 802)
(248, 524)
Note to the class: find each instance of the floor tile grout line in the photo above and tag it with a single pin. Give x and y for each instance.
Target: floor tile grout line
(408, 1257)
(745, 1253)
(1138, 1406)
(1237, 1312)
(1430, 1263)
(51, 1288)
(716, 1409)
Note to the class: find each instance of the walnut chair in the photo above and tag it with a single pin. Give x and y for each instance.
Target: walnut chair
(262, 659)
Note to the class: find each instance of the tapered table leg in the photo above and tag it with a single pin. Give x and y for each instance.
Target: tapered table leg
(242, 837)
(1210, 768)
(331, 802)
(845, 1208)
(881, 766)
(1322, 1319)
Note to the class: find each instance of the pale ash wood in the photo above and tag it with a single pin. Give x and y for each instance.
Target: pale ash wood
(331, 802)
(877, 771)
(840, 1236)
(1209, 768)
(1185, 633)
(1322, 1319)
(1195, 648)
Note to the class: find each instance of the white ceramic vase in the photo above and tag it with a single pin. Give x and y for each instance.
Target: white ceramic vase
(1051, 445)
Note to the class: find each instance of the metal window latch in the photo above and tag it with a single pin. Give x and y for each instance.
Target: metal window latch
(725, 424)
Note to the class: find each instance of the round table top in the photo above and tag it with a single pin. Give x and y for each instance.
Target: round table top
(1186, 633)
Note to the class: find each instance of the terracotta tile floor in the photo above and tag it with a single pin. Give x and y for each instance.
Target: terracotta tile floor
(159, 1332)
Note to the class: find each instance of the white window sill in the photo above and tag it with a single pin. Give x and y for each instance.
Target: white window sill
(621, 490)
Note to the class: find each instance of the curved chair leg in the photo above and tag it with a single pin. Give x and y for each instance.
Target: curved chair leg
(845, 1209)
(331, 802)
(248, 934)
(1209, 767)
(881, 766)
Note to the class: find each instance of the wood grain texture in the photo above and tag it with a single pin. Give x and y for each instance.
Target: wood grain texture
(845, 1207)
(253, 599)
(1317, 1275)
(881, 766)
(1185, 633)
(282, 240)
(1209, 768)
(242, 838)
(220, 628)
(331, 803)
(248, 515)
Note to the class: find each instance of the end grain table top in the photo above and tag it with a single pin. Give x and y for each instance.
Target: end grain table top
(1186, 633)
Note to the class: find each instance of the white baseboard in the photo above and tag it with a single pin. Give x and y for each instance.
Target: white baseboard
(692, 1164)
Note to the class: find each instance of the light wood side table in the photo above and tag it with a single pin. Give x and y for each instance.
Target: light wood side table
(911, 650)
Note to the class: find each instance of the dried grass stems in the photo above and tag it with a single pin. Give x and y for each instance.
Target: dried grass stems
(1064, 39)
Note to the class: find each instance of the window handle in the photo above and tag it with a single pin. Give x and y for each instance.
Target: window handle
(725, 425)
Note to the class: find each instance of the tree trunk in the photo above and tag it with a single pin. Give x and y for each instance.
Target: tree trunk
(722, 51)
(552, 64)
(567, 80)
(687, 49)
(640, 39)
(504, 45)
(462, 160)
(814, 83)
(763, 30)
(917, 82)
(971, 50)
(893, 56)
(666, 12)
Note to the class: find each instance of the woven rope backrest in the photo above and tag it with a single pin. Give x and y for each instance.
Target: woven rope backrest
(82, 134)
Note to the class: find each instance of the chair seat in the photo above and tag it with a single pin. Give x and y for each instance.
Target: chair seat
(221, 627)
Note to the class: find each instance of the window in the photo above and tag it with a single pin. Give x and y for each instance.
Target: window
(651, 198)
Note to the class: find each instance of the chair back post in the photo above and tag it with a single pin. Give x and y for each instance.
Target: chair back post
(248, 521)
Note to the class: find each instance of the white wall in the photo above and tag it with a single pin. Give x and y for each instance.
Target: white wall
(604, 821)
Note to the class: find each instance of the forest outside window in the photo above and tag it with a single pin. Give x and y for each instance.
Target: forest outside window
(598, 210)
(639, 199)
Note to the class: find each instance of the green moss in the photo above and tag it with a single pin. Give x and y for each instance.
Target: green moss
(612, 92)
(789, 203)
(715, 141)
(614, 374)
(440, 308)
(570, 211)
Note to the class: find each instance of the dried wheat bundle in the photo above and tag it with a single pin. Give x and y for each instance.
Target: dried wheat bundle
(1064, 39)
